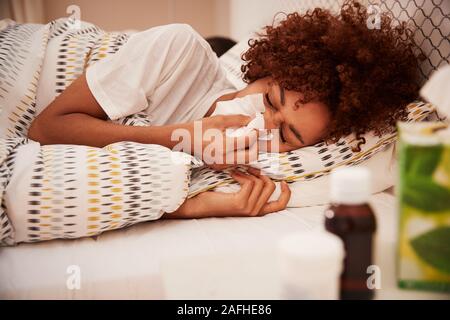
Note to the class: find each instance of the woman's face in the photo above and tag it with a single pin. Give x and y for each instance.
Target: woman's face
(299, 126)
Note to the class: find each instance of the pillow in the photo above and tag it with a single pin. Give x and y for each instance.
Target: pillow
(382, 166)
(310, 163)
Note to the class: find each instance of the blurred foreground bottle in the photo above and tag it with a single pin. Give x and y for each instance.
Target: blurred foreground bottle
(310, 264)
(351, 218)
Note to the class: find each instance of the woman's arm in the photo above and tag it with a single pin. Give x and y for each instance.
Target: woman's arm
(250, 201)
(75, 117)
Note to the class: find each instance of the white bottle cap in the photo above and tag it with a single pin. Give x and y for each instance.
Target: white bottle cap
(350, 186)
(310, 264)
(310, 250)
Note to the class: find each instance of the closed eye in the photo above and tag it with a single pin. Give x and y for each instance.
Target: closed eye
(283, 139)
(269, 102)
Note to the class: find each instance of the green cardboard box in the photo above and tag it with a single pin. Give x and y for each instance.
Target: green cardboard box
(424, 205)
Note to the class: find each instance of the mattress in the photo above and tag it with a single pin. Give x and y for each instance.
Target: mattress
(126, 264)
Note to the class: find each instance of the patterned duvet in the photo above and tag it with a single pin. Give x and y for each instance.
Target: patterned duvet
(62, 191)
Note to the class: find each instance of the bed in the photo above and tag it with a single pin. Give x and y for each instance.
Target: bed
(140, 262)
(128, 263)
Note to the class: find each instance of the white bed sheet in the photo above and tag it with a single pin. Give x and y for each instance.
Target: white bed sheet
(125, 264)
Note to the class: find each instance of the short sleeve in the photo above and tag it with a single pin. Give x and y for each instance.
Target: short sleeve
(123, 82)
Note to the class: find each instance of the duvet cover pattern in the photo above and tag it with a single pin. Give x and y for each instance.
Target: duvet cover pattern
(61, 191)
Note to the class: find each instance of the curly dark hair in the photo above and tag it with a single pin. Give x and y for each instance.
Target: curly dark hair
(365, 76)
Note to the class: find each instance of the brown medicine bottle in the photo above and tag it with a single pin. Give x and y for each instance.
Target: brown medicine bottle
(351, 218)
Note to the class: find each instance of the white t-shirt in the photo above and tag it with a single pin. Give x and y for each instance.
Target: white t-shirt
(168, 72)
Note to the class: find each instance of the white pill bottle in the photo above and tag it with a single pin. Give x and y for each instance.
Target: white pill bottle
(310, 265)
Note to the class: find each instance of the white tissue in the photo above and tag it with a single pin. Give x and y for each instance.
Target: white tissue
(251, 105)
(437, 90)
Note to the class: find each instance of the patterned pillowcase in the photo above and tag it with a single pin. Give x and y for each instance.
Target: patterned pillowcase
(315, 161)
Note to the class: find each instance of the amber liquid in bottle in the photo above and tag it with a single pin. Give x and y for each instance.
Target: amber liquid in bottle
(355, 225)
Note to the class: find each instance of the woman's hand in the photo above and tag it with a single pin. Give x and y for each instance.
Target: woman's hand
(250, 201)
(220, 151)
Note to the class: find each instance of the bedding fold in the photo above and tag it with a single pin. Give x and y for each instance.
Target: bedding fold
(66, 191)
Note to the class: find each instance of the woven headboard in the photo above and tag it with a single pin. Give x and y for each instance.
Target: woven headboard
(429, 20)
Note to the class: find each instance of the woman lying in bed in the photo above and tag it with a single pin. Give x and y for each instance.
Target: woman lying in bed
(323, 76)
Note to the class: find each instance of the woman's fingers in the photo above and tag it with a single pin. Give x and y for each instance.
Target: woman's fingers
(246, 186)
(241, 142)
(231, 151)
(255, 195)
(250, 190)
(247, 156)
(241, 150)
(282, 201)
(256, 190)
(234, 121)
(266, 192)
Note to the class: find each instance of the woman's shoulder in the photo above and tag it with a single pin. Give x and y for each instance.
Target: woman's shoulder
(173, 30)
(182, 35)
